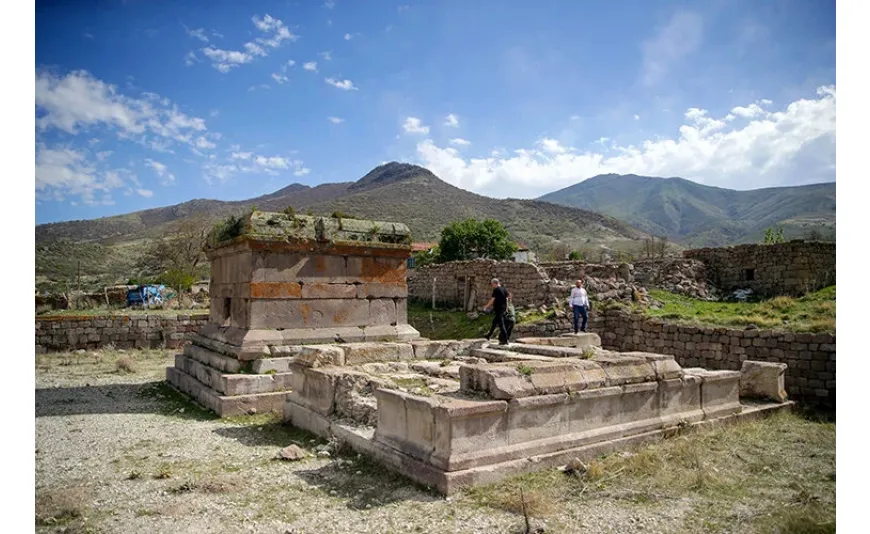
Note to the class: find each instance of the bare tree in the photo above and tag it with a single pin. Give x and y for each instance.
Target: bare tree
(178, 256)
(662, 245)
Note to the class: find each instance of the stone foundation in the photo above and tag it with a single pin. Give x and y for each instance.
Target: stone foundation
(475, 413)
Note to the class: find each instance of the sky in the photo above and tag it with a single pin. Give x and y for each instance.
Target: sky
(147, 104)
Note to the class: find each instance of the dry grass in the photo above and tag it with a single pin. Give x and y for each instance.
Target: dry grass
(125, 364)
(60, 506)
(781, 467)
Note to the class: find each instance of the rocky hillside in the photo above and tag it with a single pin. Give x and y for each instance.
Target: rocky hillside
(393, 191)
(700, 215)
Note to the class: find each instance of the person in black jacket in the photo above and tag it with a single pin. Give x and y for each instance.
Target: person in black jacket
(498, 303)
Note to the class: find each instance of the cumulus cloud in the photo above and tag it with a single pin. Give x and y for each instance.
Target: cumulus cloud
(147, 193)
(79, 102)
(198, 33)
(166, 177)
(279, 79)
(275, 33)
(310, 66)
(336, 120)
(452, 121)
(459, 142)
(345, 85)
(773, 148)
(62, 172)
(415, 126)
(348, 37)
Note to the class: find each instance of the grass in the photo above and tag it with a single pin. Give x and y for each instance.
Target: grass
(775, 475)
(60, 506)
(814, 312)
(446, 324)
(125, 364)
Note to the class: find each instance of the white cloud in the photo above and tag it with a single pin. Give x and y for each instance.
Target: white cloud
(336, 120)
(671, 44)
(403, 7)
(79, 102)
(301, 172)
(414, 125)
(204, 144)
(345, 85)
(162, 171)
(752, 110)
(62, 171)
(287, 65)
(310, 66)
(241, 155)
(452, 121)
(795, 145)
(147, 193)
(102, 156)
(348, 37)
(261, 86)
(279, 78)
(276, 33)
(273, 162)
(327, 56)
(329, 4)
(636, 117)
(198, 33)
(460, 142)
(190, 59)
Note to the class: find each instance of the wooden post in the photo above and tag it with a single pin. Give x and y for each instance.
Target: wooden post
(433, 292)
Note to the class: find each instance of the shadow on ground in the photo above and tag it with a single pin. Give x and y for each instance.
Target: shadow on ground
(150, 397)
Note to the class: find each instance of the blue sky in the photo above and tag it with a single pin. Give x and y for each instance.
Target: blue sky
(146, 104)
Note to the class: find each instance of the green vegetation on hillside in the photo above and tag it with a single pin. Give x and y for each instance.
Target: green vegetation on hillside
(471, 239)
(814, 312)
(700, 215)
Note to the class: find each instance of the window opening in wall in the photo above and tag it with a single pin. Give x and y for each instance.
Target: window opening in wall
(226, 312)
(749, 274)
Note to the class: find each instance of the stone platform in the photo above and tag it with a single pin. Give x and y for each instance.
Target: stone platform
(454, 414)
(285, 282)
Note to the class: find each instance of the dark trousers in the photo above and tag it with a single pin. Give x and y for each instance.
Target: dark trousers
(498, 322)
(509, 327)
(578, 311)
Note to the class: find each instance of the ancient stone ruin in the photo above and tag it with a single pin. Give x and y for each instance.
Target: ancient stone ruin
(287, 280)
(308, 317)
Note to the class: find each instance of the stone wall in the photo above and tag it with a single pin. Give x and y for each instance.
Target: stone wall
(792, 268)
(459, 283)
(811, 358)
(569, 271)
(62, 333)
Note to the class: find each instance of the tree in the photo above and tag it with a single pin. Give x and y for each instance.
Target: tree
(773, 235)
(662, 245)
(177, 258)
(471, 239)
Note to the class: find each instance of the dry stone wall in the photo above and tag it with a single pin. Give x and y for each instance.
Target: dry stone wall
(466, 284)
(62, 333)
(792, 268)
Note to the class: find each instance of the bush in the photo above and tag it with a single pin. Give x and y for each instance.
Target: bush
(179, 280)
(230, 228)
(574, 255)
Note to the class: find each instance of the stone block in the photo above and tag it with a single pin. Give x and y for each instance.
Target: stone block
(319, 356)
(321, 313)
(381, 312)
(313, 389)
(464, 427)
(359, 353)
(763, 380)
(382, 290)
(271, 266)
(539, 417)
(321, 290)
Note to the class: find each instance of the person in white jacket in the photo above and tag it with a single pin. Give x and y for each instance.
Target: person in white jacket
(579, 302)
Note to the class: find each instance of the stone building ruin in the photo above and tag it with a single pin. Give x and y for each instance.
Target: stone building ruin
(308, 319)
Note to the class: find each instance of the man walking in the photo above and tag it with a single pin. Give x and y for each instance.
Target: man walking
(498, 303)
(579, 302)
(510, 317)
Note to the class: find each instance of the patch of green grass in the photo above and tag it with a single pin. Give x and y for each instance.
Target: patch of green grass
(525, 370)
(814, 312)
(414, 385)
(779, 466)
(446, 324)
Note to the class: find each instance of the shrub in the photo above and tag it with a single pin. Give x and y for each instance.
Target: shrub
(124, 364)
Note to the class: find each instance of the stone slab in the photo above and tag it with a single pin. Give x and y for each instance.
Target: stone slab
(224, 406)
(764, 380)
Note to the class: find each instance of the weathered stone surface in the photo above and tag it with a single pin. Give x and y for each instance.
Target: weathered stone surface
(292, 453)
(763, 380)
(528, 378)
(358, 353)
(319, 356)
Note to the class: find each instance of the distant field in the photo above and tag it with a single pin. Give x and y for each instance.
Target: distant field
(814, 312)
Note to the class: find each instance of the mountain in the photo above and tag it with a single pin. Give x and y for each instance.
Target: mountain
(392, 192)
(700, 215)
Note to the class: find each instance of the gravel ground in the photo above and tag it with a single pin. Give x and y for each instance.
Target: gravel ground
(123, 453)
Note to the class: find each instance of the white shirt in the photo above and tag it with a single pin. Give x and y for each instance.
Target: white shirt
(579, 297)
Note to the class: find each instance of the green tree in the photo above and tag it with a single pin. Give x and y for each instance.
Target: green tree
(574, 256)
(471, 239)
(773, 235)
